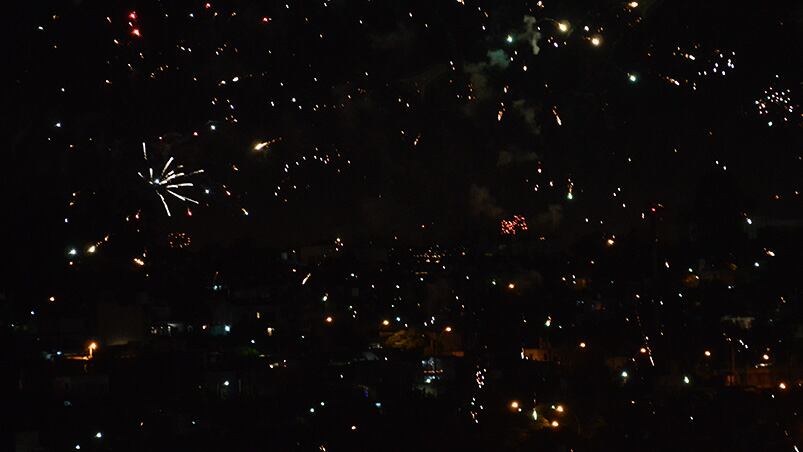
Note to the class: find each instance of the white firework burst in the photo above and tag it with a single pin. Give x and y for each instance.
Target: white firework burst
(168, 181)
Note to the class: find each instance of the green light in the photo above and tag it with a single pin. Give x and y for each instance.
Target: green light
(632, 77)
(509, 39)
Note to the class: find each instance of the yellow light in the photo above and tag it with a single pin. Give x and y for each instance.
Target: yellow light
(559, 408)
(386, 322)
(596, 41)
(766, 357)
(555, 423)
(642, 350)
(52, 298)
(259, 146)
(329, 319)
(582, 345)
(707, 353)
(511, 286)
(633, 4)
(353, 427)
(92, 347)
(448, 329)
(610, 242)
(91, 249)
(781, 385)
(563, 26)
(514, 404)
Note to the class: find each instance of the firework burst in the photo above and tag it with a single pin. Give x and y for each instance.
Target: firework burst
(169, 181)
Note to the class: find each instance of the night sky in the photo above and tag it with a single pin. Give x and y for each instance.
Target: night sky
(414, 121)
(354, 225)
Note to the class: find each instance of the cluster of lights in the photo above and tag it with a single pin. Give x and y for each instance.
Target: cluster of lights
(513, 226)
(179, 240)
(704, 64)
(776, 103)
